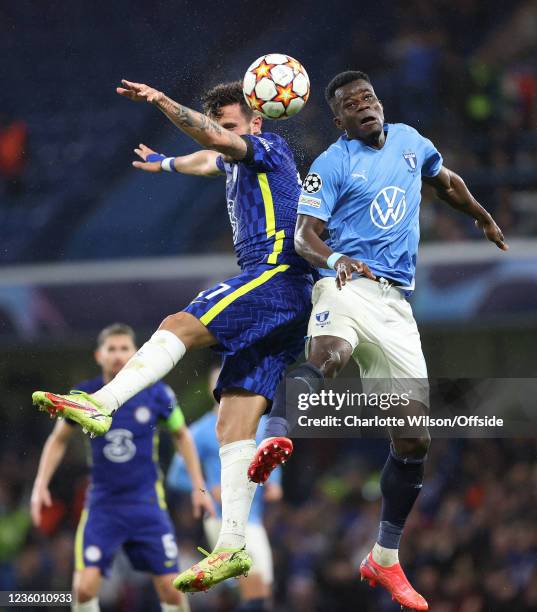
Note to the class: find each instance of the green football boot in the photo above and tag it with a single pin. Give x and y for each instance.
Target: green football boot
(77, 406)
(217, 566)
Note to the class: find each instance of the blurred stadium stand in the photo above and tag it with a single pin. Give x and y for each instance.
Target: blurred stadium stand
(442, 69)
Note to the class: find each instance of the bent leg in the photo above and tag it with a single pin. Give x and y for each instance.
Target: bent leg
(328, 355)
(160, 354)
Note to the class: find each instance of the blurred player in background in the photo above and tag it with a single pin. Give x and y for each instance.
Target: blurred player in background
(255, 589)
(257, 319)
(365, 190)
(125, 505)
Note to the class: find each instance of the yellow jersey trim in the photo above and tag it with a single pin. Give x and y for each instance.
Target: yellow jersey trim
(270, 218)
(234, 295)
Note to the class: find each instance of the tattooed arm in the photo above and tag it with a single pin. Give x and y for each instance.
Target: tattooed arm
(198, 126)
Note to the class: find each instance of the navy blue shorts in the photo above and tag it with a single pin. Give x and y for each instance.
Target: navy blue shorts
(260, 320)
(144, 531)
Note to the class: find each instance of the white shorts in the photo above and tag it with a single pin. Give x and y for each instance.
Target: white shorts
(257, 546)
(378, 323)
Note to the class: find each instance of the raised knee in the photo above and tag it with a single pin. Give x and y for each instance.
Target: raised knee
(414, 448)
(331, 364)
(174, 321)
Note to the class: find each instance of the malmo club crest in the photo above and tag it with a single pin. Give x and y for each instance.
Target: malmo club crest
(322, 318)
(388, 207)
(312, 183)
(410, 158)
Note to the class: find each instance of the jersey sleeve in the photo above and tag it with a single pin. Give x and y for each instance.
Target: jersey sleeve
(320, 188)
(263, 153)
(432, 160)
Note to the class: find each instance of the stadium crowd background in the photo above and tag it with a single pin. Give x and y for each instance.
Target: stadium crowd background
(463, 72)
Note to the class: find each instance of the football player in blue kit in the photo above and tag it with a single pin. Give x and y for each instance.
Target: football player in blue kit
(365, 191)
(255, 589)
(125, 504)
(257, 319)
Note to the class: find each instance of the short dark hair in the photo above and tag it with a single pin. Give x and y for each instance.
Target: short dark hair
(342, 79)
(116, 329)
(224, 95)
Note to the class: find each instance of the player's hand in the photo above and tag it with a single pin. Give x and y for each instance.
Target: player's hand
(40, 497)
(345, 266)
(202, 502)
(143, 151)
(139, 92)
(493, 233)
(272, 492)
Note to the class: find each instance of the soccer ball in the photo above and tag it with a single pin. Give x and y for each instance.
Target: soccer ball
(276, 86)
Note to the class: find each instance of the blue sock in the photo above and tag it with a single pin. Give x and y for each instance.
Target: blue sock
(304, 379)
(252, 605)
(400, 483)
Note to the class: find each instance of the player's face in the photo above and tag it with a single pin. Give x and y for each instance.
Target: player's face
(114, 353)
(233, 119)
(359, 111)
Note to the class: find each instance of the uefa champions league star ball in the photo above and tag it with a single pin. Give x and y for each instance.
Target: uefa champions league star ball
(276, 86)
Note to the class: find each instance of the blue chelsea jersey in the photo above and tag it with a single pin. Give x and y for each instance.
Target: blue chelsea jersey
(370, 199)
(125, 465)
(262, 195)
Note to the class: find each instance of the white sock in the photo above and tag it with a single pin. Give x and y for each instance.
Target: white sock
(184, 606)
(151, 363)
(237, 492)
(385, 556)
(88, 606)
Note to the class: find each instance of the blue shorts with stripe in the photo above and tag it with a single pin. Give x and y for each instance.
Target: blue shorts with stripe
(144, 531)
(260, 320)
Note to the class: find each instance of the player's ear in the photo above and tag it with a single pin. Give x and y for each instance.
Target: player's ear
(97, 355)
(256, 124)
(337, 121)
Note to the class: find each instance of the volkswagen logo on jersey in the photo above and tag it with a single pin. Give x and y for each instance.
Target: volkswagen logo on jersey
(388, 207)
(410, 158)
(312, 183)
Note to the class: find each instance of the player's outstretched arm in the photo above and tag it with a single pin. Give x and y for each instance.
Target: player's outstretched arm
(310, 246)
(52, 454)
(201, 500)
(451, 188)
(198, 126)
(200, 163)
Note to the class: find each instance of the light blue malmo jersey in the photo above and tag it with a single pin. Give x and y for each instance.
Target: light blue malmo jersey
(204, 435)
(370, 199)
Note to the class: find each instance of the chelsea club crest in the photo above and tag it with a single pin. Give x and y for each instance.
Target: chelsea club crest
(410, 158)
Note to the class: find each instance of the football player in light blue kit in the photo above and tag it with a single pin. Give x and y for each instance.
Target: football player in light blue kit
(255, 589)
(365, 190)
(125, 506)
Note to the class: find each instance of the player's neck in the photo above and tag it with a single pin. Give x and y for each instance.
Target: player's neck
(375, 141)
